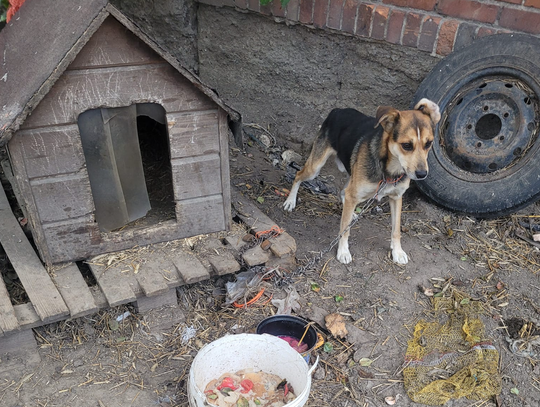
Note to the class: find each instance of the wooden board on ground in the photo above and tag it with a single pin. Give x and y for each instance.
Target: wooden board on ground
(41, 290)
(75, 291)
(150, 275)
(189, 267)
(116, 286)
(8, 321)
(252, 216)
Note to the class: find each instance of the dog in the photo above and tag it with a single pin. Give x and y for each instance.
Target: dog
(381, 155)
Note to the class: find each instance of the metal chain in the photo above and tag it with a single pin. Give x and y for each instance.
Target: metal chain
(315, 259)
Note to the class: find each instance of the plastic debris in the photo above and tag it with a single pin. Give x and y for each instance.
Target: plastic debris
(120, 318)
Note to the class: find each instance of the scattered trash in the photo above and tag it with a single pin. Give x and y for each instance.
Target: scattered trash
(523, 337)
(246, 388)
(391, 400)
(287, 304)
(120, 318)
(316, 185)
(188, 332)
(246, 283)
(336, 325)
(289, 156)
(464, 364)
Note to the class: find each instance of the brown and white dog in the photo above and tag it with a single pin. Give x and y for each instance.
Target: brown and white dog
(388, 150)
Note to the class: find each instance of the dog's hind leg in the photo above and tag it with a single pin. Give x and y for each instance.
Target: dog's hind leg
(316, 160)
(398, 255)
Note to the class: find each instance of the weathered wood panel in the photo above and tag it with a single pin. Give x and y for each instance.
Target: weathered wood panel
(117, 286)
(196, 176)
(74, 290)
(150, 276)
(193, 133)
(72, 240)
(189, 267)
(50, 151)
(8, 321)
(44, 295)
(224, 132)
(201, 215)
(114, 44)
(81, 90)
(64, 197)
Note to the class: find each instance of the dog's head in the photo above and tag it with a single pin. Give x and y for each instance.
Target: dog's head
(408, 136)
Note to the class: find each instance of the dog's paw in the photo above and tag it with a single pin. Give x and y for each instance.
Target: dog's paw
(344, 256)
(289, 205)
(399, 256)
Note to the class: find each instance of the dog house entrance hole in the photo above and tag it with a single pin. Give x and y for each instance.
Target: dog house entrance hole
(129, 167)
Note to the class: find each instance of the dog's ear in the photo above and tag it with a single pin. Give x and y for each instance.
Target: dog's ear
(430, 108)
(387, 117)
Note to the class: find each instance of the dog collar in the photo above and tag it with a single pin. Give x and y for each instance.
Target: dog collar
(394, 180)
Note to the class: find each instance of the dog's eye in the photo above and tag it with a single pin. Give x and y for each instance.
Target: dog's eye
(407, 146)
(428, 144)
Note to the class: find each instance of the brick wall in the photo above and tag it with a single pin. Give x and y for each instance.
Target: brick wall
(434, 26)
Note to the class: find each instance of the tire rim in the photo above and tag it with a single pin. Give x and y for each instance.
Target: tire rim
(489, 127)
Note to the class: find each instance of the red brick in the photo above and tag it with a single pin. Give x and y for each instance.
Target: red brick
(349, 16)
(242, 4)
(447, 35)
(469, 10)
(334, 14)
(532, 3)
(519, 20)
(484, 32)
(320, 13)
(395, 26)
(380, 17)
(427, 5)
(412, 29)
(277, 9)
(428, 35)
(267, 9)
(254, 5)
(293, 9)
(365, 16)
(306, 11)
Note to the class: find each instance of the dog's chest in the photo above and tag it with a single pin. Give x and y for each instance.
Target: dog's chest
(379, 191)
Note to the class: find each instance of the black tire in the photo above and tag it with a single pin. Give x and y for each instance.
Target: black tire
(485, 159)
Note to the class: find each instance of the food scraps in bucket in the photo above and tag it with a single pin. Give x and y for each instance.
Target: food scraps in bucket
(246, 388)
(299, 347)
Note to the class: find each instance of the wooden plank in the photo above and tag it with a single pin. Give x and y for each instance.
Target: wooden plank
(78, 91)
(252, 216)
(36, 281)
(168, 298)
(8, 321)
(27, 316)
(50, 151)
(201, 215)
(117, 286)
(113, 44)
(193, 133)
(189, 267)
(224, 133)
(196, 176)
(75, 291)
(63, 197)
(150, 275)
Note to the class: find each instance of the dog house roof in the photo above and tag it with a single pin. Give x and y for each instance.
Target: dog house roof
(40, 42)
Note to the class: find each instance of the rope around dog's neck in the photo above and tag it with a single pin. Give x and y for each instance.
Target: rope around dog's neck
(315, 259)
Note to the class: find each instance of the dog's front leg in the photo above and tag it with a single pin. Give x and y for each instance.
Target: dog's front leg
(343, 253)
(398, 255)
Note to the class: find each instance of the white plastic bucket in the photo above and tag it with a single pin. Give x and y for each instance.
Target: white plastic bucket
(249, 351)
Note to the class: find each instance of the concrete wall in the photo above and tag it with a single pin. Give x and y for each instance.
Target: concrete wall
(285, 68)
(289, 77)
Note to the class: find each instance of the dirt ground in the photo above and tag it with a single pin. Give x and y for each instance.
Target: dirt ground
(94, 361)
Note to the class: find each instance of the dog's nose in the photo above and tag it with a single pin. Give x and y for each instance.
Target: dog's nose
(420, 174)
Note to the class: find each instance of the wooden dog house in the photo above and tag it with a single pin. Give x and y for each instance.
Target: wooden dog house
(110, 142)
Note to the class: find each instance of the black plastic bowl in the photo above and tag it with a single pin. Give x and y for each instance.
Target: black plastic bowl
(288, 325)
